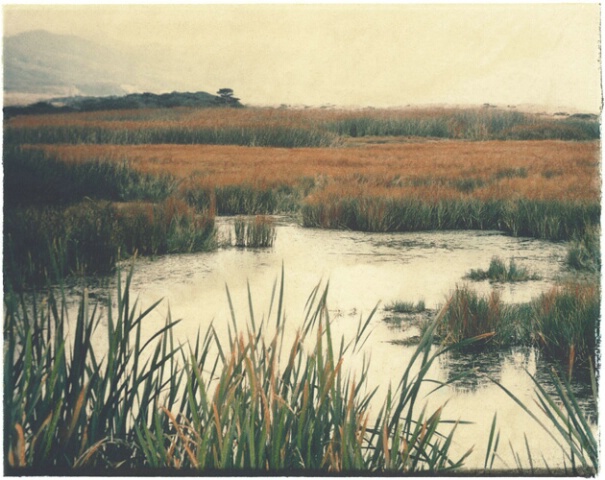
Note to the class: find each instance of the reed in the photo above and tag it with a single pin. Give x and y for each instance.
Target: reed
(50, 243)
(206, 406)
(252, 136)
(469, 124)
(168, 227)
(69, 406)
(552, 220)
(498, 272)
(258, 232)
(542, 189)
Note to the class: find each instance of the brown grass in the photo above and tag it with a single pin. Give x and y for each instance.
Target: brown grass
(550, 170)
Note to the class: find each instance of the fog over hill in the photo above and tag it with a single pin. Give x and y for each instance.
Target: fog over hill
(39, 64)
(531, 58)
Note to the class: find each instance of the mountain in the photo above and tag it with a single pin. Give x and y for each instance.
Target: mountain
(43, 64)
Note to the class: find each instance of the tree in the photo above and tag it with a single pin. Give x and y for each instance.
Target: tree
(226, 97)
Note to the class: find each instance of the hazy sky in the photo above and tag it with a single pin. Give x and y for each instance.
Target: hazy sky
(379, 55)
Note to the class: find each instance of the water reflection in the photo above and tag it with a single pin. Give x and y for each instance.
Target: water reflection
(471, 371)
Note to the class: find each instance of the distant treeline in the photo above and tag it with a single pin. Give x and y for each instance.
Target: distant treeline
(127, 102)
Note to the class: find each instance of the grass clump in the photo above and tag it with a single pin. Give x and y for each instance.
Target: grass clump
(498, 272)
(584, 253)
(566, 322)
(563, 322)
(467, 315)
(145, 402)
(405, 307)
(258, 232)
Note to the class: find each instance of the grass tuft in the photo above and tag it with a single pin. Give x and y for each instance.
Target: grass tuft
(405, 307)
(498, 272)
(258, 232)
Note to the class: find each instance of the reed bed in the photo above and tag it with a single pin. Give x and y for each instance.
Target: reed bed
(291, 128)
(468, 124)
(251, 136)
(258, 232)
(91, 215)
(68, 406)
(33, 177)
(552, 220)
(543, 189)
(567, 322)
(468, 315)
(90, 237)
(204, 406)
(542, 170)
(145, 404)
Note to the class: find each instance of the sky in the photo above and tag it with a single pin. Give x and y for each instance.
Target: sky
(353, 55)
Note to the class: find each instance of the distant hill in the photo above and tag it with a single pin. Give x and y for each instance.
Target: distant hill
(126, 102)
(49, 65)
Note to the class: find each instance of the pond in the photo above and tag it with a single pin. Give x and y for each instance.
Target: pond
(364, 269)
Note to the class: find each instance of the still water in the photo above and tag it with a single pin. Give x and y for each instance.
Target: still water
(365, 270)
